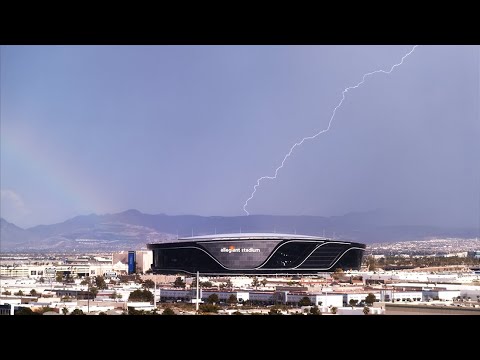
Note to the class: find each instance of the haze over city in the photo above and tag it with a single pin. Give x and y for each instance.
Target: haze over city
(189, 130)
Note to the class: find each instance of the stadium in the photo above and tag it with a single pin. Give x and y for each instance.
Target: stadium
(255, 253)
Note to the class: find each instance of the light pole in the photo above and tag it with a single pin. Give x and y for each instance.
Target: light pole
(196, 303)
(154, 294)
(326, 299)
(89, 287)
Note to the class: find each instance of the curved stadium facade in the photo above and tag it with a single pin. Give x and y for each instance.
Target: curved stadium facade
(255, 254)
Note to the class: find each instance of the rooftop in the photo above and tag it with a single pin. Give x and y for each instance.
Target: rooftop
(252, 236)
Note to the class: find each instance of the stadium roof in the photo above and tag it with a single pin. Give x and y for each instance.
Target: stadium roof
(252, 236)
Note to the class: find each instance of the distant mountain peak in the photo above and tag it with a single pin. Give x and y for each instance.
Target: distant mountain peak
(131, 212)
(5, 223)
(131, 228)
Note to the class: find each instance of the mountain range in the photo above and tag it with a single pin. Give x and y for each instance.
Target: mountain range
(133, 229)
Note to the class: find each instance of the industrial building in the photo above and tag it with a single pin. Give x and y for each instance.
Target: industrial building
(259, 297)
(50, 270)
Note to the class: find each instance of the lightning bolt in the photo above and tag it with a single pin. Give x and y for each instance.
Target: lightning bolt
(324, 130)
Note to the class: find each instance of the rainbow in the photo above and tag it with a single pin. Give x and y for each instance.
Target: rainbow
(50, 171)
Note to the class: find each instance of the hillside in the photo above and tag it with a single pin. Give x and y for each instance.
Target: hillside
(132, 229)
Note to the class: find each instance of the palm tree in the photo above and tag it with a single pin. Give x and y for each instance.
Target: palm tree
(255, 282)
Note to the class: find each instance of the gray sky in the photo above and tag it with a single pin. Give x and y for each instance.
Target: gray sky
(189, 129)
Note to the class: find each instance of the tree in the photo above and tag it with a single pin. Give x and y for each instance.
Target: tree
(59, 277)
(141, 295)
(213, 299)
(168, 311)
(77, 312)
(274, 311)
(19, 293)
(333, 310)
(305, 301)
(371, 263)
(148, 284)
(366, 310)
(65, 311)
(132, 311)
(94, 291)
(370, 299)
(208, 308)
(255, 282)
(100, 282)
(6, 292)
(179, 283)
(33, 292)
(102, 313)
(353, 302)
(314, 310)
(85, 281)
(232, 300)
(229, 284)
(25, 311)
(206, 284)
(41, 280)
(338, 273)
(264, 282)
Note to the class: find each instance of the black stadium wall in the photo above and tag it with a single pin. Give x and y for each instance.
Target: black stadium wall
(255, 254)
